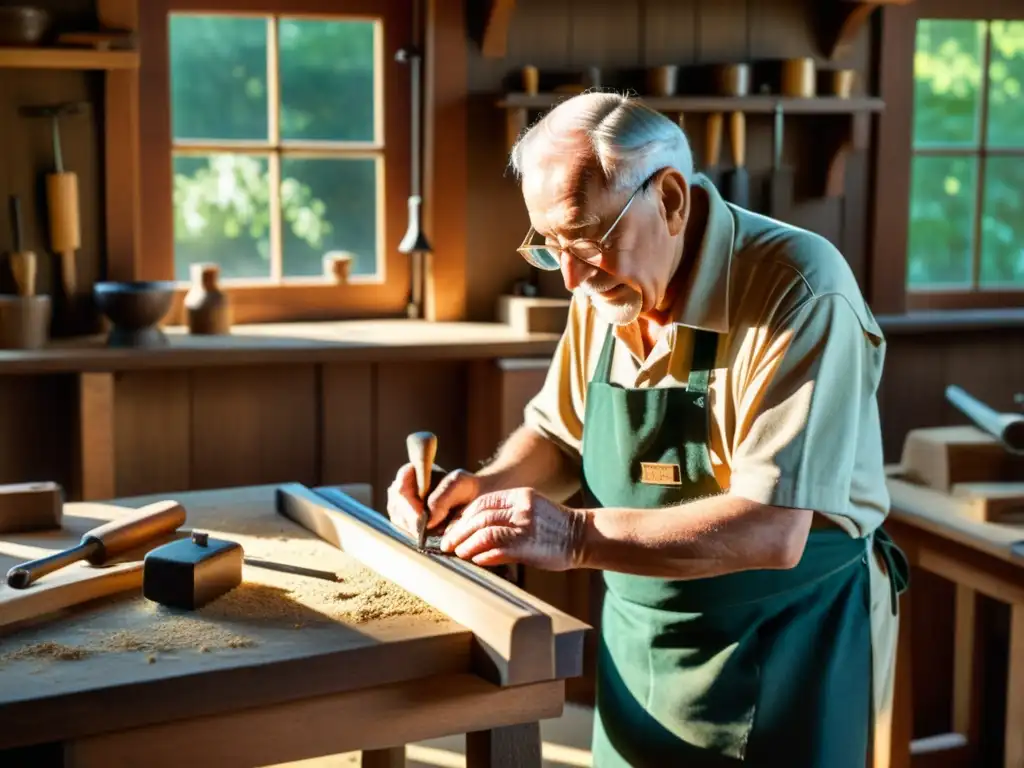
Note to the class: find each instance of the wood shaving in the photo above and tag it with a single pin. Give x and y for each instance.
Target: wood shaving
(46, 650)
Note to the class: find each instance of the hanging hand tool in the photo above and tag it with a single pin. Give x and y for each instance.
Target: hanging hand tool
(422, 448)
(713, 148)
(100, 545)
(23, 263)
(780, 182)
(62, 196)
(738, 191)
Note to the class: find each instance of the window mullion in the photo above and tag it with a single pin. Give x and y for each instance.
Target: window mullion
(274, 160)
(979, 198)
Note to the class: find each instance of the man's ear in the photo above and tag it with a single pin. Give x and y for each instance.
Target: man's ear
(674, 193)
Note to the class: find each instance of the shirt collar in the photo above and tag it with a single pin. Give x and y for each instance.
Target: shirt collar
(703, 302)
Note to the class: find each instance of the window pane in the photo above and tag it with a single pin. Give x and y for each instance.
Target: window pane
(222, 214)
(328, 205)
(1002, 235)
(327, 80)
(1006, 85)
(218, 77)
(947, 81)
(942, 203)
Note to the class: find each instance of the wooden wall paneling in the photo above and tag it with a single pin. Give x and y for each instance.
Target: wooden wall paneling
(152, 432)
(498, 392)
(914, 392)
(781, 29)
(348, 436)
(723, 34)
(669, 32)
(419, 396)
(37, 414)
(988, 365)
(254, 424)
(605, 34)
(96, 460)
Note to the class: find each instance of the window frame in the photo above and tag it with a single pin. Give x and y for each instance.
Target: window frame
(890, 293)
(298, 299)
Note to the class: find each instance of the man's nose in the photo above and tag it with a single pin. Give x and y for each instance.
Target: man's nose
(574, 271)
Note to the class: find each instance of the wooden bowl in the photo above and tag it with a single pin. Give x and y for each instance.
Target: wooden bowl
(135, 309)
(23, 25)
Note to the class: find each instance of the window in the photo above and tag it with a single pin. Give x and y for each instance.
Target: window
(277, 144)
(966, 218)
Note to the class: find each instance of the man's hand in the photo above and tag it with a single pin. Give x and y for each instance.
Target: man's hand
(452, 490)
(516, 526)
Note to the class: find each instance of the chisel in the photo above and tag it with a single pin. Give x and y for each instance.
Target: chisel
(780, 181)
(738, 192)
(713, 148)
(422, 448)
(105, 542)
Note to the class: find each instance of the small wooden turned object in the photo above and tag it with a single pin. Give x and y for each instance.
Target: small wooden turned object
(209, 309)
(338, 266)
(422, 448)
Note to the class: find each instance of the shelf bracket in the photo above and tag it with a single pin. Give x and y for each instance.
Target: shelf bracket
(495, 38)
(843, 20)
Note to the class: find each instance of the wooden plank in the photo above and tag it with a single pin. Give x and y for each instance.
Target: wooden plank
(68, 59)
(722, 31)
(254, 425)
(97, 440)
(604, 35)
(346, 423)
(1013, 754)
(152, 441)
(37, 439)
(372, 719)
(515, 638)
(336, 650)
(670, 29)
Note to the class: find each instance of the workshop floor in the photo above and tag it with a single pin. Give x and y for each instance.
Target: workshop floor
(566, 744)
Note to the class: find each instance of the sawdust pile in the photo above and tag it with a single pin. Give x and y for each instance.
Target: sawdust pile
(46, 650)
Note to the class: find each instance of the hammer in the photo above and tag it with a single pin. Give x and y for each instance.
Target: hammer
(422, 448)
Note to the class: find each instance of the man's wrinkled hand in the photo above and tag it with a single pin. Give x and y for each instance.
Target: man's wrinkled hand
(452, 490)
(517, 526)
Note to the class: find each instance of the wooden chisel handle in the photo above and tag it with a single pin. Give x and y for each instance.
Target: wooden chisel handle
(106, 541)
(422, 448)
(714, 142)
(738, 138)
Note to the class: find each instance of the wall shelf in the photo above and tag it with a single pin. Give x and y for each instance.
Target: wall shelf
(67, 58)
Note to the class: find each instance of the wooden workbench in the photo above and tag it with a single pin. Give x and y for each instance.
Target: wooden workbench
(977, 558)
(310, 673)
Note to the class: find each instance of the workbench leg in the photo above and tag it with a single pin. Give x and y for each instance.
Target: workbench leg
(966, 671)
(1014, 745)
(393, 757)
(514, 746)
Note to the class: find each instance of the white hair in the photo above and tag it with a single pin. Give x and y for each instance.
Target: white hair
(630, 140)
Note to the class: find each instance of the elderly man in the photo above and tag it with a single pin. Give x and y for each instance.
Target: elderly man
(713, 396)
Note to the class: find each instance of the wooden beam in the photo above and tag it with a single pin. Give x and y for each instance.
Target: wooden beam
(844, 20)
(516, 639)
(495, 39)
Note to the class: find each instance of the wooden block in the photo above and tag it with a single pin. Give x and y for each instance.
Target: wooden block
(533, 314)
(30, 507)
(515, 638)
(941, 457)
(993, 502)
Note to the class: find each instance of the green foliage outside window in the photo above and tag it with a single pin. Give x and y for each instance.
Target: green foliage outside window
(221, 93)
(952, 157)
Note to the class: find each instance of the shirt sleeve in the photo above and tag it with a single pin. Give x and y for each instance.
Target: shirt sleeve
(557, 411)
(799, 413)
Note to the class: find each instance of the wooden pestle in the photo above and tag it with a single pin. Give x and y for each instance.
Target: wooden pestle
(65, 229)
(422, 448)
(23, 263)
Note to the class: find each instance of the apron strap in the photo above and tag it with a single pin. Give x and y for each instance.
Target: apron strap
(604, 362)
(897, 567)
(705, 348)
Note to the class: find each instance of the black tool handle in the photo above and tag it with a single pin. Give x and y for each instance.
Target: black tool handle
(16, 230)
(22, 576)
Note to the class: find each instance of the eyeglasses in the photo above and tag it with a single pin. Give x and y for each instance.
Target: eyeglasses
(548, 258)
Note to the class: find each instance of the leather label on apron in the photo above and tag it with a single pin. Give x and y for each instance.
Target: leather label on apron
(660, 474)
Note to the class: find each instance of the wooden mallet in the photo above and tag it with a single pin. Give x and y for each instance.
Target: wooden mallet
(422, 448)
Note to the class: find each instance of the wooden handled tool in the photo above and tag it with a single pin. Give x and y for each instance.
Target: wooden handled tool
(105, 542)
(422, 448)
(739, 183)
(780, 181)
(62, 197)
(713, 148)
(23, 263)
(1007, 428)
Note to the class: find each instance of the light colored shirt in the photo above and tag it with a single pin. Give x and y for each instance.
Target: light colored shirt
(793, 398)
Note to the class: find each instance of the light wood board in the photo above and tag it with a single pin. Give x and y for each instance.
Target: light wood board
(298, 648)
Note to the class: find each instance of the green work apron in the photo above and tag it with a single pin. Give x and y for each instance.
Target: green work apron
(763, 668)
